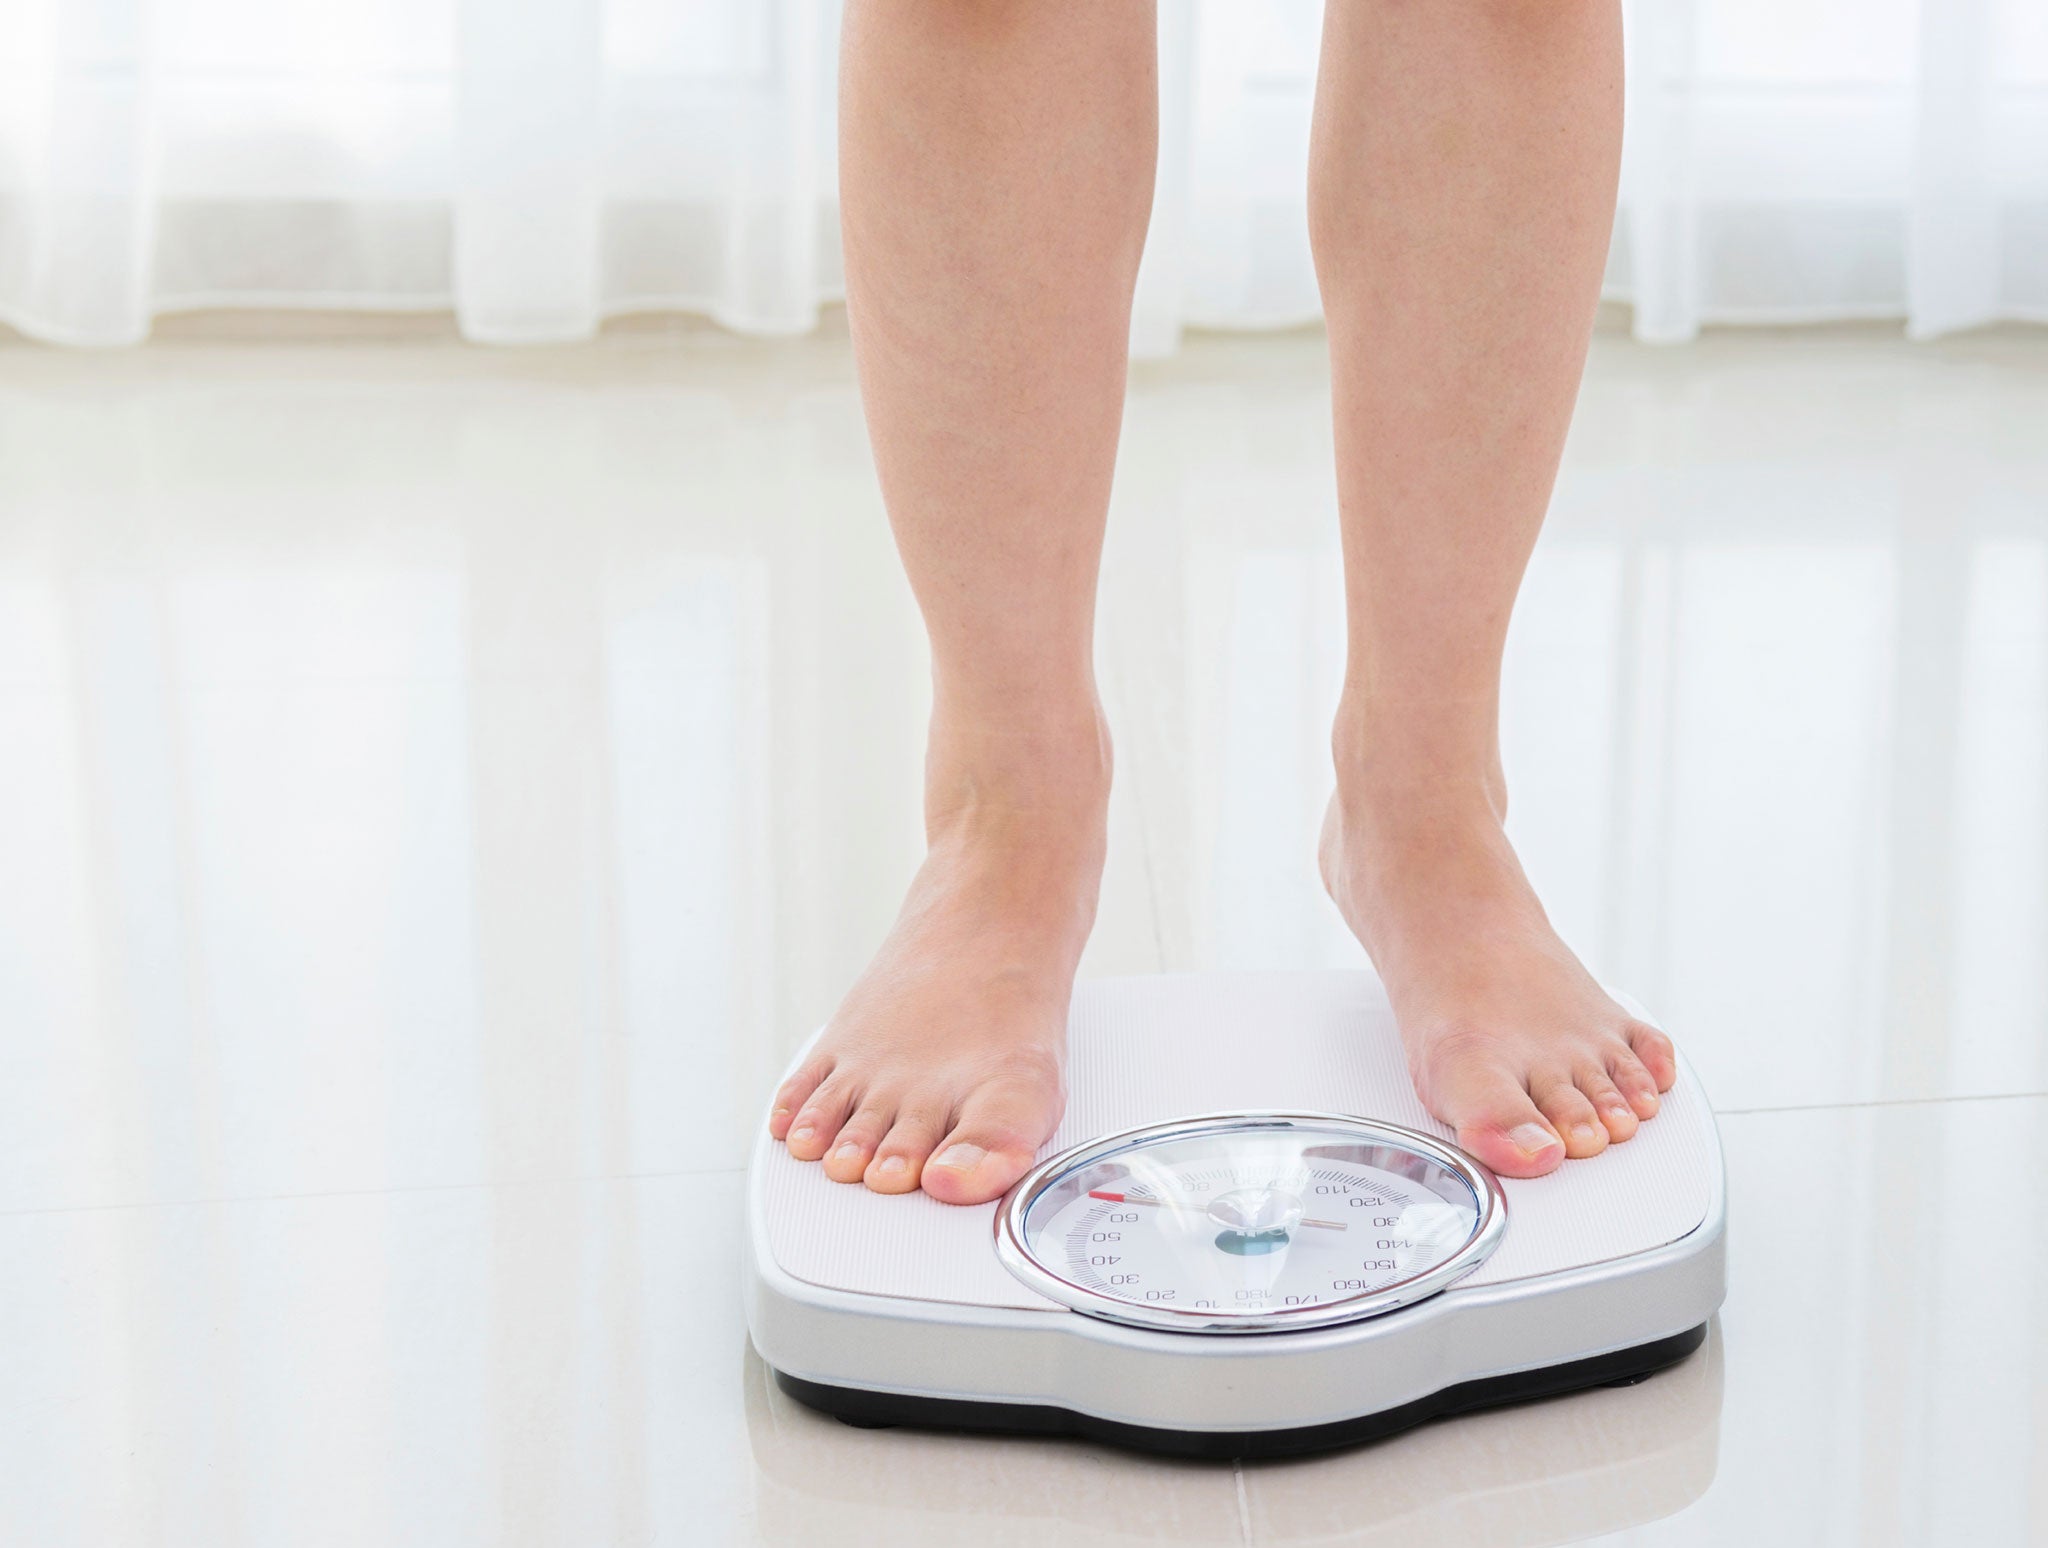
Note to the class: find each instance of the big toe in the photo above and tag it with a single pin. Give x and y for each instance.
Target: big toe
(991, 1146)
(1498, 1122)
(971, 1170)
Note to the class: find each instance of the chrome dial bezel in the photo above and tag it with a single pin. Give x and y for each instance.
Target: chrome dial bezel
(1017, 1257)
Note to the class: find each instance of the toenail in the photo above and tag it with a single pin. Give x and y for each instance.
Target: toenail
(893, 1164)
(960, 1158)
(798, 1136)
(1587, 1133)
(1532, 1139)
(846, 1152)
(780, 1112)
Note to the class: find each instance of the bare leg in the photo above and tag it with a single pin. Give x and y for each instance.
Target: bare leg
(1461, 188)
(996, 180)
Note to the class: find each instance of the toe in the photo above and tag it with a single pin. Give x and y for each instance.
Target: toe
(854, 1146)
(793, 1093)
(899, 1159)
(1636, 1084)
(1496, 1120)
(1565, 1105)
(991, 1146)
(1616, 1115)
(972, 1168)
(819, 1120)
(1654, 1049)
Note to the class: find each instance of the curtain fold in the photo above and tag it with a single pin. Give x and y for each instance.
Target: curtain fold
(539, 165)
(526, 200)
(78, 170)
(1657, 236)
(1953, 267)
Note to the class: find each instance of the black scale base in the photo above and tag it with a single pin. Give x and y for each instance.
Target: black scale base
(882, 1410)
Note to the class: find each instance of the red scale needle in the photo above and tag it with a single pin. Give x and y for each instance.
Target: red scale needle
(1135, 1198)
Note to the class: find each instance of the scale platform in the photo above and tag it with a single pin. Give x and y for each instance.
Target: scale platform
(1466, 1291)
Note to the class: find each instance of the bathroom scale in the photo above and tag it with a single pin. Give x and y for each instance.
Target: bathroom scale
(1246, 1238)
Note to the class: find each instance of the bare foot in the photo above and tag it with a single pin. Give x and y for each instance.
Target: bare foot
(1510, 1040)
(943, 1066)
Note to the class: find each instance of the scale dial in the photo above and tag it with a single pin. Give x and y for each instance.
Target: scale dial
(1250, 1222)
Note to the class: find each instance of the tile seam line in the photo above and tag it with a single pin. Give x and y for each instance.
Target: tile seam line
(362, 1193)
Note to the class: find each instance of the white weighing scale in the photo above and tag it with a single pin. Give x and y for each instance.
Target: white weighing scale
(1246, 1238)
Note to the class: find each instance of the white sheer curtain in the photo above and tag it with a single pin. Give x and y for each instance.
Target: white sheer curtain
(538, 165)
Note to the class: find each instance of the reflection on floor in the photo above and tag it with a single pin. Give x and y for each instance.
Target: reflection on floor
(437, 787)
(1613, 1458)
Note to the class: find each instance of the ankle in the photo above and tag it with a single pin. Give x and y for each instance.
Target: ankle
(1033, 776)
(1424, 757)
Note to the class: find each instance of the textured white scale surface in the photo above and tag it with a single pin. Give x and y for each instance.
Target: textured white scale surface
(1149, 1049)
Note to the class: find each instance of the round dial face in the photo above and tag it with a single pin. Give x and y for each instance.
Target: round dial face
(1251, 1222)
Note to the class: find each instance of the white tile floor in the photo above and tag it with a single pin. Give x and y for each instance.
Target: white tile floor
(437, 786)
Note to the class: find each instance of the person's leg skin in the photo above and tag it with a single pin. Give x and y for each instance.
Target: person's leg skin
(1461, 185)
(996, 166)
